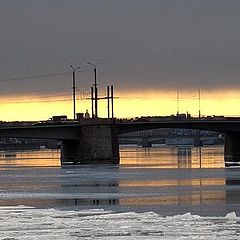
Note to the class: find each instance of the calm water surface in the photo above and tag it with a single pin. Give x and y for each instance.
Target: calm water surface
(166, 180)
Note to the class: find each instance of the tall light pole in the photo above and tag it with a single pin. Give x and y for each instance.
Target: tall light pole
(199, 101)
(74, 89)
(95, 87)
(177, 102)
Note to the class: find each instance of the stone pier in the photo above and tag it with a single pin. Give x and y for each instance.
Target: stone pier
(232, 148)
(97, 143)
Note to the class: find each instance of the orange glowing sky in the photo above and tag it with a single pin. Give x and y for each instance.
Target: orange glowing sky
(128, 104)
(146, 49)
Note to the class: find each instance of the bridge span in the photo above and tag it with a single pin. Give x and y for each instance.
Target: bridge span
(221, 126)
(96, 140)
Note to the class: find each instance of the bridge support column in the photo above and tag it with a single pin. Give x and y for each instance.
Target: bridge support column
(70, 152)
(232, 148)
(96, 144)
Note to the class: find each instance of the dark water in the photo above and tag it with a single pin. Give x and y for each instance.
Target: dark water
(165, 180)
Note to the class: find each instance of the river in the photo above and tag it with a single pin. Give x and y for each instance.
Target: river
(154, 193)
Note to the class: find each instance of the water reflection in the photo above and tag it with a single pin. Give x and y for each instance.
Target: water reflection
(36, 158)
(174, 157)
(146, 177)
(203, 197)
(98, 187)
(163, 157)
(233, 185)
(178, 191)
(44, 189)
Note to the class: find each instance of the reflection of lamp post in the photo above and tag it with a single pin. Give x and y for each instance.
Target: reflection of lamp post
(74, 90)
(95, 87)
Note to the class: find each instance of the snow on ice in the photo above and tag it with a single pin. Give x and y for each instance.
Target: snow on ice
(25, 223)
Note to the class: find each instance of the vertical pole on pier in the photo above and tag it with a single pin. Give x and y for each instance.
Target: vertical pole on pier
(177, 102)
(74, 89)
(108, 101)
(199, 106)
(74, 94)
(92, 102)
(95, 88)
(96, 92)
(112, 100)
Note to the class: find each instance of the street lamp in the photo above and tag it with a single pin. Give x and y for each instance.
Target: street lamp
(199, 101)
(95, 87)
(74, 90)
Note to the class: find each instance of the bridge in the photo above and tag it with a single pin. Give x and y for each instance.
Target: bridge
(96, 140)
(148, 140)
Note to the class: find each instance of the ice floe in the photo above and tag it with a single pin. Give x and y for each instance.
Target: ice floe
(25, 223)
(231, 215)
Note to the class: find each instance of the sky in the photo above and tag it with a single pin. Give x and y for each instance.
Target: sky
(147, 49)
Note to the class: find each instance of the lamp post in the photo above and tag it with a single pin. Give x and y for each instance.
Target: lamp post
(199, 101)
(74, 89)
(177, 102)
(95, 87)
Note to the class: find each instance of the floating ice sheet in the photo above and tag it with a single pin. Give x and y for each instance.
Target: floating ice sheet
(27, 223)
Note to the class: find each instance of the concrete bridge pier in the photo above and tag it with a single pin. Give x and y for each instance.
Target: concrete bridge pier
(96, 144)
(232, 148)
(70, 152)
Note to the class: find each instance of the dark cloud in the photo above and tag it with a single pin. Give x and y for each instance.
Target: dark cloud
(155, 44)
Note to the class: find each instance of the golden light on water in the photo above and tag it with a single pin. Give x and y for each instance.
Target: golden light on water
(126, 105)
(174, 182)
(201, 197)
(172, 157)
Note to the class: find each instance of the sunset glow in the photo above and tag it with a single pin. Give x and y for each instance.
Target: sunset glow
(126, 105)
